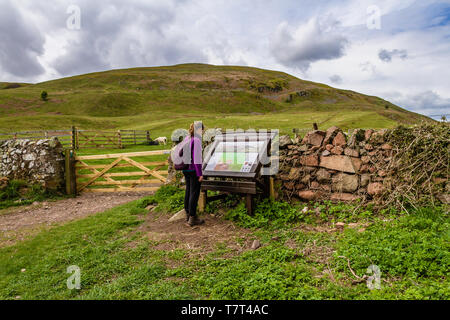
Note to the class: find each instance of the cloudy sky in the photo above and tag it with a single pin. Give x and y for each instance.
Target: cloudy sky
(398, 50)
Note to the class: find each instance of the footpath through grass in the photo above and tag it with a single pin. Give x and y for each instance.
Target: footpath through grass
(302, 257)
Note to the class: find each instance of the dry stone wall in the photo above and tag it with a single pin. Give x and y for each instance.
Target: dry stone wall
(36, 162)
(325, 165)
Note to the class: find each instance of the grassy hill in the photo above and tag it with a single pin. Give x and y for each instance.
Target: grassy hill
(162, 99)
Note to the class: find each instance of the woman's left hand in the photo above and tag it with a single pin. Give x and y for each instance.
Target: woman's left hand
(200, 179)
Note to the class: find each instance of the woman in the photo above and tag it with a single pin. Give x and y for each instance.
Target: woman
(193, 175)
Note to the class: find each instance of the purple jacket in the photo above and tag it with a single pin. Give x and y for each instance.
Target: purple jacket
(196, 146)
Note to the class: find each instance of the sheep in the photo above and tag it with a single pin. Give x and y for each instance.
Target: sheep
(162, 140)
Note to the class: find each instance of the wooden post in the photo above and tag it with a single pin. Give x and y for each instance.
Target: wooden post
(73, 135)
(72, 138)
(73, 172)
(148, 137)
(70, 172)
(67, 171)
(249, 203)
(272, 188)
(119, 139)
(77, 139)
(315, 126)
(134, 132)
(266, 189)
(202, 201)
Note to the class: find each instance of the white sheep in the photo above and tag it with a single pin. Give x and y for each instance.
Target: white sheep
(162, 140)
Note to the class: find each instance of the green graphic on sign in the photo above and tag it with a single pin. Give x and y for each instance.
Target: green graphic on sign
(232, 161)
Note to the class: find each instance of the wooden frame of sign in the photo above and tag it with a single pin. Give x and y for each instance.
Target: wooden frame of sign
(247, 182)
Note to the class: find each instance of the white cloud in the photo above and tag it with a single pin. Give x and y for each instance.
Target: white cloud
(426, 102)
(308, 43)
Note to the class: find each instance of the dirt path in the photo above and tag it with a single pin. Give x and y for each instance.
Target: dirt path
(17, 223)
(199, 240)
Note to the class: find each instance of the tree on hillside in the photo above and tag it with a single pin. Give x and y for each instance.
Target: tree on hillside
(44, 95)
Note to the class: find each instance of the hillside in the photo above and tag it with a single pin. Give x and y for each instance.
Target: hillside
(12, 85)
(165, 98)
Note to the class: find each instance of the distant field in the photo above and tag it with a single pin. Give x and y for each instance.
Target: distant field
(166, 98)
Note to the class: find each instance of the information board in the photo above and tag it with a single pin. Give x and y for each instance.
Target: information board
(235, 156)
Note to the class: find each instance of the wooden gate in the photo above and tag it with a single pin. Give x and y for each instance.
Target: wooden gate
(119, 172)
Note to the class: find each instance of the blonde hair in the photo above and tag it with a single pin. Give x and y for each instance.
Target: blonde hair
(192, 129)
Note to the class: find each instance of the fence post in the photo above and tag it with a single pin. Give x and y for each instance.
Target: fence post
(272, 188)
(202, 199)
(119, 139)
(74, 138)
(70, 174)
(148, 137)
(134, 132)
(72, 144)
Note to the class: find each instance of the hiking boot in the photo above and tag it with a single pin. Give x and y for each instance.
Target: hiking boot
(194, 221)
(187, 215)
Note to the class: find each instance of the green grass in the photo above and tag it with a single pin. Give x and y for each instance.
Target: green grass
(167, 98)
(412, 252)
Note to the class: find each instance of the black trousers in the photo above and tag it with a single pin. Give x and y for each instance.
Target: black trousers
(192, 193)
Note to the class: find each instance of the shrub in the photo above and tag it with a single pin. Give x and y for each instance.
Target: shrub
(274, 85)
(413, 172)
(18, 192)
(267, 214)
(44, 95)
(12, 190)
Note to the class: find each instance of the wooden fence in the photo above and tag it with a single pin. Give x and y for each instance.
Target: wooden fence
(91, 139)
(128, 137)
(86, 139)
(118, 172)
